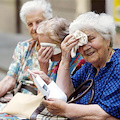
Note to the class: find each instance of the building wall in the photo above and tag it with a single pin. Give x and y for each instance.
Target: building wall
(7, 16)
(68, 9)
(82, 6)
(64, 8)
(61, 8)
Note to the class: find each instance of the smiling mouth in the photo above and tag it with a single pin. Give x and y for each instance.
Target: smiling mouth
(89, 54)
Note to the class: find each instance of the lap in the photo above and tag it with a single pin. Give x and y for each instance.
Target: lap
(5, 116)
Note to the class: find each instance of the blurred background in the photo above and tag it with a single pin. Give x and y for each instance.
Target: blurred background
(12, 30)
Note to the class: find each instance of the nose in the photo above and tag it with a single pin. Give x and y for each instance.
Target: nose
(34, 26)
(87, 46)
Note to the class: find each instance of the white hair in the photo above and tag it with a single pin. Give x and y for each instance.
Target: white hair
(29, 6)
(102, 23)
(55, 28)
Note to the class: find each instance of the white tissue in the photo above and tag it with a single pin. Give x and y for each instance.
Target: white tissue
(82, 38)
(56, 49)
(56, 92)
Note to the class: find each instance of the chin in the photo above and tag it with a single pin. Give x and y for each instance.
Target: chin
(34, 37)
(92, 61)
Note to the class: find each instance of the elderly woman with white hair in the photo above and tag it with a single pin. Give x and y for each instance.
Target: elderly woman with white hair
(26, 52)
(102, 65)
(51, 34)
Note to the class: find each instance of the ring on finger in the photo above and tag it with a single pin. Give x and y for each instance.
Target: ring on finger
(67, 43)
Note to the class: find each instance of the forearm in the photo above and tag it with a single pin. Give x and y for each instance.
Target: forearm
(6, 85)
(63, 78)
(44, 68)
(86, 112)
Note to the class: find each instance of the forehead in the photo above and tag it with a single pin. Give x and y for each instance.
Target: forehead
(91, 32)
(35, 15)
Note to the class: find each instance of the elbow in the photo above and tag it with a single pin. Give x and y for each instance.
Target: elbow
(10, 81)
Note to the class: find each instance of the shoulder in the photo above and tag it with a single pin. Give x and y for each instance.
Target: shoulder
(116, 55)
(23, 46)
(24, 43)
(116, 60)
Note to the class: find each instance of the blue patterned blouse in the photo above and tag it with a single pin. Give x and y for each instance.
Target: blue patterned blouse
(106, 84)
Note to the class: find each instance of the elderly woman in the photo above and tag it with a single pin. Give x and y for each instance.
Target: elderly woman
(51, 34)
(25, 54)
(102, 65)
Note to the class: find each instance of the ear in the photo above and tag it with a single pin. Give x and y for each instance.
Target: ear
(108, 43)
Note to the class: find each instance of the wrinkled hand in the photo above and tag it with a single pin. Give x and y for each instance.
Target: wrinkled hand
(44, 54)
(55, 106)
(42, 75)
(66, 47)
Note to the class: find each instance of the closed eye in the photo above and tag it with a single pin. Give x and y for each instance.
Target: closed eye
(91, 38)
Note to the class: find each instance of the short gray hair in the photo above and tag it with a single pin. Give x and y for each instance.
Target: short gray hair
(102, 23)
(29, 6)
(56, 28)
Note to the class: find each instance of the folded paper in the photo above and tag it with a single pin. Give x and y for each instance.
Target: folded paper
(56, 92)
(49, 91)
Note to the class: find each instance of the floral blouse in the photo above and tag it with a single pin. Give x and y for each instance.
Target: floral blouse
(24, 57)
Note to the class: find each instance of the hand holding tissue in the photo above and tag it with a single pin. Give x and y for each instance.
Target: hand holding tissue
(56, 48)
(82, 38)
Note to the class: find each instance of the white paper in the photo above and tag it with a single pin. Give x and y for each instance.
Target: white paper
(49, 91)
(56, 92)
(42, 86)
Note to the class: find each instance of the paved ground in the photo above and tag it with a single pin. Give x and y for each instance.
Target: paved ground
(7, 44)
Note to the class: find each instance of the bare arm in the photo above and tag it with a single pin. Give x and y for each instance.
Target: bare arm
(87, 112)
(63, 77)
(6, 85)
(77, 111)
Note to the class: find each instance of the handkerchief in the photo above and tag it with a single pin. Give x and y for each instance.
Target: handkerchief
(82, 38)
(56, 49)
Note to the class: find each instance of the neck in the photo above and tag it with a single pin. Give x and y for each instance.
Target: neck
(56, 57)
(103, 63)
